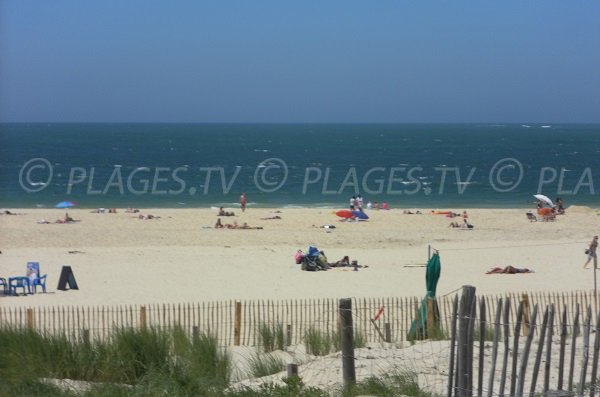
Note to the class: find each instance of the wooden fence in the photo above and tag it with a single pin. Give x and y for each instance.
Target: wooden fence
(236, 322)
(553, 355)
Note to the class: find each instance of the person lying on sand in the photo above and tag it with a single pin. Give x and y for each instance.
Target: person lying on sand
(147, 216)
(271, 217)
(222, 212)
(509, 270)
(243, 226)
(465, 225)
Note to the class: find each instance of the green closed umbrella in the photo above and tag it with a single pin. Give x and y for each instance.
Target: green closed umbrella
(418, 328)
(432, 275)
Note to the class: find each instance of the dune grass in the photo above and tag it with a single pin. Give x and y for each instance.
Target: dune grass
(153, 362)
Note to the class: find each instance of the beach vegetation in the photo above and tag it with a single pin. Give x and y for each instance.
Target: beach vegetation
(153, 362)
(400, 382)
(271, 337)
(488, 334)
(321, 343)
(263, 364)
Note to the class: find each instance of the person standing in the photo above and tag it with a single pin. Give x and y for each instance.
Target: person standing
(243, 201)
(591, 251)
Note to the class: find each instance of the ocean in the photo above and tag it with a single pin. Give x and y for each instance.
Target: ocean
(297, 165)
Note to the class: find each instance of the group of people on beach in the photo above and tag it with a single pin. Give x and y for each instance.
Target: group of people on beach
(356, 204)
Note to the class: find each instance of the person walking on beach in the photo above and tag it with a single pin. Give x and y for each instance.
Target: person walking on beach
(591, 251)
(243, 201)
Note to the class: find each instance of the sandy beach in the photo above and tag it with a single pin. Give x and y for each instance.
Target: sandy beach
(181, 257)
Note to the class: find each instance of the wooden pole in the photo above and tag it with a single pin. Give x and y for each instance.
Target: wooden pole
(430, 317)
(495, 348)
(465, 347)
(526, 311)
(538, 355)
(388, 332)
(548, 350)
(30, 318)
(563, 342)
(482, 328)
(595, 285)
(452, 347)
(143, 317)
(86, 336)
(348, 369)
(525, 358)
(195, 332)
(594, 374)
(586, 351)
(237, 327)
(505, 332)
(513, 372)
(573, 346)
(288, 335)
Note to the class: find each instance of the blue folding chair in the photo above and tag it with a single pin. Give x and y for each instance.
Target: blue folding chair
(19, 282)
(41, 281)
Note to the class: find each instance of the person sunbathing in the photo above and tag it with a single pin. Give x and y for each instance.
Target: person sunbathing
(271, 217)
(222, 212)
(509, 270)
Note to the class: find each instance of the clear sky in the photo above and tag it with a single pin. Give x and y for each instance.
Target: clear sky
(302, 61)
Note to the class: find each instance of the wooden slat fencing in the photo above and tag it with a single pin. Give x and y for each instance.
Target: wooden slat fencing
(554, 357)
(233, 327)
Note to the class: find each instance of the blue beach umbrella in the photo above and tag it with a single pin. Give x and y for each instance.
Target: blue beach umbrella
(360, 215)
(64, 204)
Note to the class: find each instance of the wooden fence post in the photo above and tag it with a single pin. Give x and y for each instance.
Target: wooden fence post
(495, 347)
(86, 336)
(526, 311)
(430, 317)
(451, 366)
(143, 317)
(348, 369)
(237, 328)
(465, 338)
(288, 335)
(30, 318)
(388, 332)
(195, 332)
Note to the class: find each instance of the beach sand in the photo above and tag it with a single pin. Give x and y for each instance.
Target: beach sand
(180, 257)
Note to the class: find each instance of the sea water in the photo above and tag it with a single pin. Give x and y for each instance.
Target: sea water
(297, 165)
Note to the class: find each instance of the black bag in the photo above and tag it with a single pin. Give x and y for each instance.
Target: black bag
(587, 252)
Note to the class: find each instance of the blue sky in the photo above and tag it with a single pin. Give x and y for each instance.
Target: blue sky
(305, 61)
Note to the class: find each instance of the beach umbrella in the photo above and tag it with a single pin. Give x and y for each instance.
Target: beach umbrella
(432, 275)
(543, 198)
(418, 328)
(64, 204)
(360, 215)
(344, 214)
